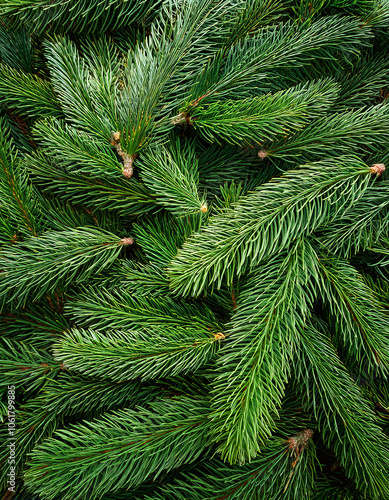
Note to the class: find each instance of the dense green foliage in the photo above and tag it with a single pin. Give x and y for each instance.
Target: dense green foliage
(194, 242)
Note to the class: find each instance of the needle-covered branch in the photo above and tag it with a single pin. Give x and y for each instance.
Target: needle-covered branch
(84, 460)
(38, 265)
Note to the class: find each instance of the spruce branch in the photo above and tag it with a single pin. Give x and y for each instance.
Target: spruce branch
(162, 236)
(255, 120)
(25, 366)
(76, 152)
(254, 362)
(16, 199)
(117, 194)
(248, 61)
(358, 319)
(267, 221)
(346, 422)
(28, 94)
(342, 132)
(38, 265)
(172, 173)
(120, 310)
(361, 225)
(74, 15)
(147, 353)
(68, 396)
(79, 462)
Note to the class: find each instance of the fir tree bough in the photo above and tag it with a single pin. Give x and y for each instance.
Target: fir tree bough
(194, 240)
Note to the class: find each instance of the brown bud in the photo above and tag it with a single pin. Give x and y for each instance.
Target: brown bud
(128, 169)
(181, 118)
(262, 155)
(377, 168)
(127, 241)
(300, 440)
(219, 336)
(203, 208)
(116, 136)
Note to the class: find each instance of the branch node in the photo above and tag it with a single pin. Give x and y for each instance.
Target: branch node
(377, 168)
(126, 241)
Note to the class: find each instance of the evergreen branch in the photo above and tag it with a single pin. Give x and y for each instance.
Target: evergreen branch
(162, 236)
(247, 62)
(362, 86)
(284, 470)
(124, 112)
(126, 197)
(79, 463)
(36, 325)
(144, 353)
(16, 49)
(265, 117)
(219, 165)
(27, 94)
(267, 221)
(342, 132)
(253, 366)
(116, 310)
(248, 17)
(25, 366)
(68, 395)
(327, 488)
(37, 266)
(76, 152)
(172, 173)
(361, 225)
(141, 279)
(16, 199)
(74, 86)
(75, 15)
(358, 319)
(346, 422)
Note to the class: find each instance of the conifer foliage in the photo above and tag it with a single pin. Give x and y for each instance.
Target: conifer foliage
(194, 232)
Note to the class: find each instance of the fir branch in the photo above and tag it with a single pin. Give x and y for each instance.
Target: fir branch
(38, 265)
(248, 61)
(28, 94)
(74, 15)
(255, 120)
(359, 321)
(162, 236)
(285, 470)
(267, 221)
(16, 199)
(346, 422)
(119, 194)
(172, 173)
(120, 310)
(76, 152)
(146, 353)
(25, 366)
(342, 132)
(253, 366)
(16, 49)
(37, 325)
(68, 395)
(79, 462)
(361, 225)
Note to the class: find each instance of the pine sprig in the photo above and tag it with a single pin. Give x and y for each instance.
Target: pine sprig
(254, 363)
(143, 353)
(267, 221)
(38, 265)
(346, 421)
(78, 462)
